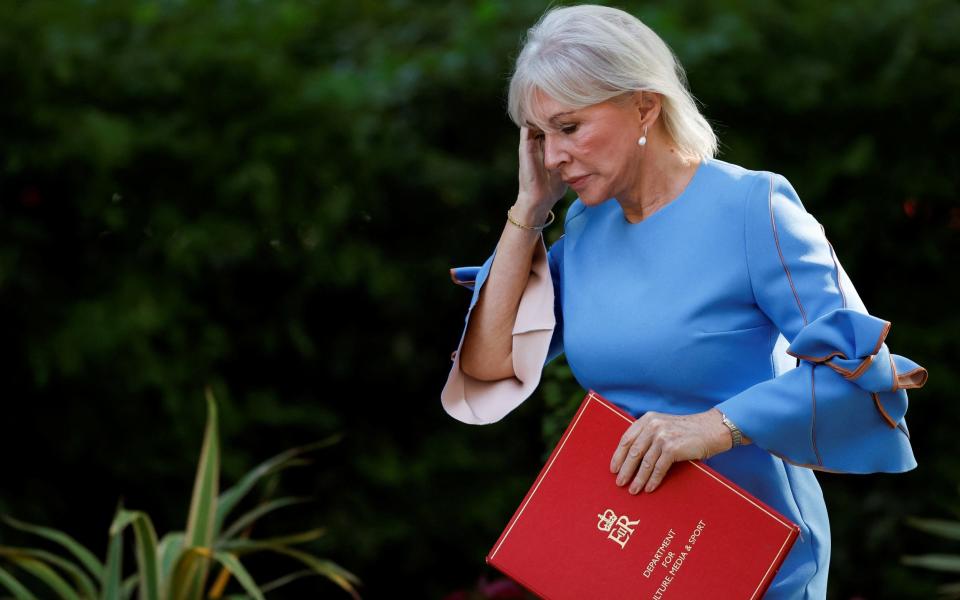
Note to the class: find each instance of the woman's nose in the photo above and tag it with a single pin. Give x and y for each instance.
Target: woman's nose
(553, 153)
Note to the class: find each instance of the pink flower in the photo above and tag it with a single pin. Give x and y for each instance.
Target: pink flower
(501, 589)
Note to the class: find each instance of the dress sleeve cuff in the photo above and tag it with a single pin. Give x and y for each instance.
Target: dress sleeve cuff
(842, 409)
(478, 402)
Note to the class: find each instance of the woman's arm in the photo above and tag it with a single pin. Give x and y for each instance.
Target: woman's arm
(841, 409)
(486, 354)
(487, 344)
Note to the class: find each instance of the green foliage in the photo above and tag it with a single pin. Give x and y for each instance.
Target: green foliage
(177, 567)
(947, 563)
(270, 194)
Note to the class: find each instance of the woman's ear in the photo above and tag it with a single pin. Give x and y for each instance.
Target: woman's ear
(647, 104)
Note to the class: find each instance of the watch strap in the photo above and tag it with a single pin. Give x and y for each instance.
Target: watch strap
(734, 430)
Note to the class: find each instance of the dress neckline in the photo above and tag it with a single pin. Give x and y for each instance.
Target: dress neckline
(687, 191)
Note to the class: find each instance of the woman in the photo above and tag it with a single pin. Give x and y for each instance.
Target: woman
(678, 283)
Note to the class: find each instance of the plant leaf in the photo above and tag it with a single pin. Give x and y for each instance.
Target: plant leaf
(184, 581)
(329, 569)
(47, 575)
(148, 565)
(231, 497)
(129, 586)
(86, 557)
(168, 550)
(949, 589)
(110, 583)
(251, 516)
(203, 504)
(243, 546)
(16, 588)
(936, 562)
(938, 527)
(232, 564)
(82, 580)
(281, 581)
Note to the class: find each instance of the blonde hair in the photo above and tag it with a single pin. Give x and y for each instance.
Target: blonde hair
(587, 54)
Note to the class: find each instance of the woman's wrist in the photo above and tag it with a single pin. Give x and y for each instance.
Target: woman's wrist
(528, 215)
(728, 432)
(721, 438)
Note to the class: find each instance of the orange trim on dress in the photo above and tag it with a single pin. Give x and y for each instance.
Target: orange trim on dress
(776, 239)
(861, 368)
(883, 411)
(916, 378)
(806, 465)
(453, 276)
(883, 336)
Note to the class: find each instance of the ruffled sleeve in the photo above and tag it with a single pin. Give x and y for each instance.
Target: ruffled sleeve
(537, 339)
(842, 408)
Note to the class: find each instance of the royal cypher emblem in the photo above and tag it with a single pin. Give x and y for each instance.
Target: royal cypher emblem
(620, 527)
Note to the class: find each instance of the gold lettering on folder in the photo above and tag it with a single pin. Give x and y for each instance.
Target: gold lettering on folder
(620, 527)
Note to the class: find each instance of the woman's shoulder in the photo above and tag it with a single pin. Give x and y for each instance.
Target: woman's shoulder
(728, 175)
(739, 185)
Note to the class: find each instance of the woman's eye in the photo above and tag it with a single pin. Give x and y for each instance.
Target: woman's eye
(569, 129)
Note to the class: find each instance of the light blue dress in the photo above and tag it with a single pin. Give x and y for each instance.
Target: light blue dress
(695, 306)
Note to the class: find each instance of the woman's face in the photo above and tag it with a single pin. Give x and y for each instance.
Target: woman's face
(593, 148)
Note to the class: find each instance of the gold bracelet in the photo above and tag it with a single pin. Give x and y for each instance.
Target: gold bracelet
(522, 226)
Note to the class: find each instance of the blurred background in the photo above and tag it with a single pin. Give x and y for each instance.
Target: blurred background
(266, 196)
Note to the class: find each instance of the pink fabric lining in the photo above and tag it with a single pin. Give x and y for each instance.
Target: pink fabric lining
(479, 402)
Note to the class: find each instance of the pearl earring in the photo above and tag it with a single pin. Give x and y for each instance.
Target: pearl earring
(643, 139)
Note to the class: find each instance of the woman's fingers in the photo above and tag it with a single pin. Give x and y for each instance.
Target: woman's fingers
(655, 441)
(626, 441)
(536, 181)
(664, 462)
(635, 454)
(648, 466)
(530, 133)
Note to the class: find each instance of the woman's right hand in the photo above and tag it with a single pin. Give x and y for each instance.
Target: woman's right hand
(540, 188)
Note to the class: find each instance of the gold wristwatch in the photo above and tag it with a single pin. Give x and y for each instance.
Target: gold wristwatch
(734, 430)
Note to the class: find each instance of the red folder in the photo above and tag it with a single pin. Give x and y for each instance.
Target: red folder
(578, 535)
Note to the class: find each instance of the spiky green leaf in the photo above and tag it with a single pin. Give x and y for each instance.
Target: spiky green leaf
(189, 574)
(245, 546)
(129, 586)
(232, 564)
(85, 557)
(15, 587)
(329, 569)
(282, 581)
(203, 504)
(48, 576)
(936, 562)
(947, 589)
(231, 497)
(148, 565)
(81, 579)
(939, 527)
(252, 515)
(168, 550)
(110, 583)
